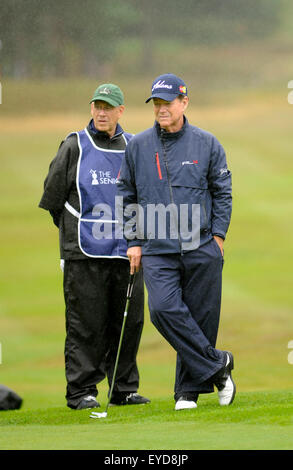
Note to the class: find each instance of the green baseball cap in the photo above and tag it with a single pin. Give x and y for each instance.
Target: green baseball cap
(110, 93)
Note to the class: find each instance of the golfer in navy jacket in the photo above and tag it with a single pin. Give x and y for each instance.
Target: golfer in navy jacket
(80, 192)
(176, 176)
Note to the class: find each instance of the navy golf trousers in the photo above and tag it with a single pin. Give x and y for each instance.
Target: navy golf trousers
(184, 295)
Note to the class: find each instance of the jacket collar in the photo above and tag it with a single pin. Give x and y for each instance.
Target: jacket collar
(171, 135)
(102, 134)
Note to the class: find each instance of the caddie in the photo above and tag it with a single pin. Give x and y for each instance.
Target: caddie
(80, 194)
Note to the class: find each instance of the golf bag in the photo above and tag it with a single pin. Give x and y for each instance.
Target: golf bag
(9, 400)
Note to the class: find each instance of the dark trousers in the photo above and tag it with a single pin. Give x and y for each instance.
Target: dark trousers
(184, 293)
(95, 298)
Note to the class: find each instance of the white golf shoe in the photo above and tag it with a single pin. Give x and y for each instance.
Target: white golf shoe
(183, 403)
(225, 385)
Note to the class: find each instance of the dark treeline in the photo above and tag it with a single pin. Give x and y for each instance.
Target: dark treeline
(50, 38)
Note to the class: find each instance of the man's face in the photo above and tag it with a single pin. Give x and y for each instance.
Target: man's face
(106, 116)
(169, 114)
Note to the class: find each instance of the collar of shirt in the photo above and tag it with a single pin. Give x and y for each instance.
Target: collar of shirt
(102, 134)
(171, 135)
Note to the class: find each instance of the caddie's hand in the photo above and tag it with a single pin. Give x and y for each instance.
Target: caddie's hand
(220, 242)
(134, 256)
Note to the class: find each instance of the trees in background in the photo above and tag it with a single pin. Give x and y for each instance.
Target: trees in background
(50, 38)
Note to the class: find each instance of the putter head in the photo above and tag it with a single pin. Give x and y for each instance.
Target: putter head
(96, 415)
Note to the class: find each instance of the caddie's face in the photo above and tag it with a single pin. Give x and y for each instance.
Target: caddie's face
(106, 116)
(169, 114)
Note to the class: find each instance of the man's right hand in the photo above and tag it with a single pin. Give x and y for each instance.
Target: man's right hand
(134, 256)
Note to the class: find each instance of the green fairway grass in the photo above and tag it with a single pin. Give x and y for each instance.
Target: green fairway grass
(259, 421)
(257, 307)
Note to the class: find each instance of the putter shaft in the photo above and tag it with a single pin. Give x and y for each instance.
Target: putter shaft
(129, 294)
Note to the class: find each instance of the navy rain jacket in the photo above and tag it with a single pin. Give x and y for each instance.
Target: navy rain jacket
(186, 167)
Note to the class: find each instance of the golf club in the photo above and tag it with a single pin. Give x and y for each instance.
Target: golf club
(94, 414)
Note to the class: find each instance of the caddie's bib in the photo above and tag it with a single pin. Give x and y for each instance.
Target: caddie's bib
(100, 231)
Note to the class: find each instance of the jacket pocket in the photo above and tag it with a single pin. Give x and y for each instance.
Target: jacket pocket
(158, 166)
(189, 176)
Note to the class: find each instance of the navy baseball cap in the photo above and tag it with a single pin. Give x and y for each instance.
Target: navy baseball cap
(167, 87)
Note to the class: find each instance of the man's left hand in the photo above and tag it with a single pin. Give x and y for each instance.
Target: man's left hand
(220, 242)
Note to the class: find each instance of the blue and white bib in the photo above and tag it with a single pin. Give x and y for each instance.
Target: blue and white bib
(100, 231)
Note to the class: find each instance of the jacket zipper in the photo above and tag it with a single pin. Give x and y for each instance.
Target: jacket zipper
(169, 184)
